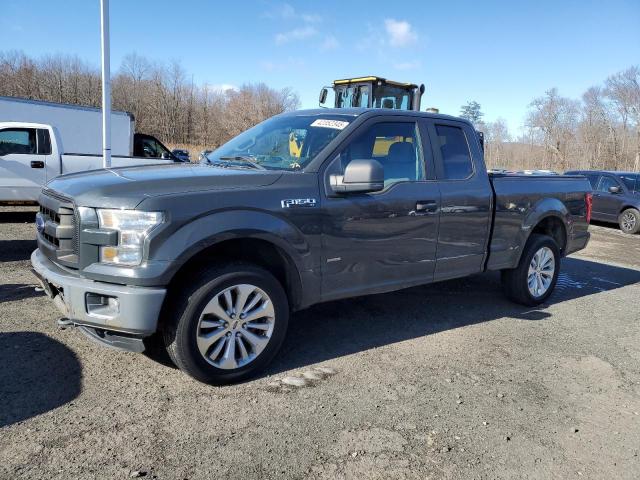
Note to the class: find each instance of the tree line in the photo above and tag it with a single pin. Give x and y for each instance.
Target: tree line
(601, 130)
(164, 101)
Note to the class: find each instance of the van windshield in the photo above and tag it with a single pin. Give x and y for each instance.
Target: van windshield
(280, 143)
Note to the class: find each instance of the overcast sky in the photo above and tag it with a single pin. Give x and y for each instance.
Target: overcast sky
(499, 53)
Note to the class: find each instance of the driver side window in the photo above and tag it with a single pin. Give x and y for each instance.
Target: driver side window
(152, 148)
(606, 183)
(149, 148)
(396, 145)
(17, 141)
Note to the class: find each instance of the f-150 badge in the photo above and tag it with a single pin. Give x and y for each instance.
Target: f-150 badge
(298, 202)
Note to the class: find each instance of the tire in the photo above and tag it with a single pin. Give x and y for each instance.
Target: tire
(516, 281)
(155, 350)
(188, 330)
(629, 221)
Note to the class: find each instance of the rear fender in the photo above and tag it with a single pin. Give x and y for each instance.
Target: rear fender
(544, 208)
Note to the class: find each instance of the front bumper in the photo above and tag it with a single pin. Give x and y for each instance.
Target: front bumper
(132, 311)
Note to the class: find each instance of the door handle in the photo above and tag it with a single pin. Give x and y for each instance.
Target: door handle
(426, 206)
(37, 164)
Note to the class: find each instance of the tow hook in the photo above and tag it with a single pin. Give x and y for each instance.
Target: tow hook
(64, 323)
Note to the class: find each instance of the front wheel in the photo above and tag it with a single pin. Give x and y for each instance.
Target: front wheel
(535, 277)
(629, 221)
(229, 325)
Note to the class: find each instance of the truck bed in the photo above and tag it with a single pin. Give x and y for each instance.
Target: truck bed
(518, 201)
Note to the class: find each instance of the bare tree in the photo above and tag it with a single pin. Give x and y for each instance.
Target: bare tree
(496, 136)
(623, 89)
(161, 98)
(556, 119)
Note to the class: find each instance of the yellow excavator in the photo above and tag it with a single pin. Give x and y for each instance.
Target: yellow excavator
(373, 92)
(366, 92)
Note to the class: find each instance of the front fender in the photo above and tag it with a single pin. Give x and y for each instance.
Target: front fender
(176, 248)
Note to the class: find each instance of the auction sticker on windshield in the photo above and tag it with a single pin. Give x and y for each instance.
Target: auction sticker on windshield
(337, 124)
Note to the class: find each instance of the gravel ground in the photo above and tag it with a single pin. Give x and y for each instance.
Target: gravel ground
(442, 381)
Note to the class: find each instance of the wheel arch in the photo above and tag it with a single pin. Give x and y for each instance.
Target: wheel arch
(553, 226)
(265, 253)
(549, 217)
(257, 237)
(628, 206)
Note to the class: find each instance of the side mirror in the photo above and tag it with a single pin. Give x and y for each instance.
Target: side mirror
(323, 96)
(360, 176)
(615, 189)
(165, 156)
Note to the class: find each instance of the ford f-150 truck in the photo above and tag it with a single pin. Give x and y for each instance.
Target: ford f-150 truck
(211, 258)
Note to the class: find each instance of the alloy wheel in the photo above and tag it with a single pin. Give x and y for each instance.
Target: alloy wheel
(628, 221)
(235, 326)
(541, 271)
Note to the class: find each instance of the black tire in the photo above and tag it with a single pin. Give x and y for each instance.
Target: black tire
(155, 350)
(181, 324)
(629, 221)
(515, 281)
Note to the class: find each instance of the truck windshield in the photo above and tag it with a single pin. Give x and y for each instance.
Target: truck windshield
(280, 143)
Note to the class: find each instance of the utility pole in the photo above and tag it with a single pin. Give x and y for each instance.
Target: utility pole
(106, 84)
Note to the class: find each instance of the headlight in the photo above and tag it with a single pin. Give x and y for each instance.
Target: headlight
(132, 226)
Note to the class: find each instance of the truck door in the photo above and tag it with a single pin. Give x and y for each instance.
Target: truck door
(377, 241)
(22, 164)
(465, 196)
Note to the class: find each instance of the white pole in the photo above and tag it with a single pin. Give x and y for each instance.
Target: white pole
(106, 85)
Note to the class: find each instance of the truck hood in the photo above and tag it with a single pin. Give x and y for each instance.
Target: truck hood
(126, 187)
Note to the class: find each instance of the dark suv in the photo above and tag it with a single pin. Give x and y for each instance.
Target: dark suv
(616, 197)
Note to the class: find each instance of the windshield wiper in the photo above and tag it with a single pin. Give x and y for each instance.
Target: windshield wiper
(247, 159)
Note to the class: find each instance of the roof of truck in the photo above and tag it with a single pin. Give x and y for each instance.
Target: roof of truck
(610, 172)
(355, 112)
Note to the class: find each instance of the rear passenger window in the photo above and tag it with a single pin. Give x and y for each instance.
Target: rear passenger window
(44, 142)
(593, 180)
(606, 183)
(454, 150)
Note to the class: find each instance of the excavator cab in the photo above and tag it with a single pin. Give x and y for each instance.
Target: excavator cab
(372, 92)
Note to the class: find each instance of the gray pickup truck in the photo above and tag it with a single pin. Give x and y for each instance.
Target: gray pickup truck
(208, 260)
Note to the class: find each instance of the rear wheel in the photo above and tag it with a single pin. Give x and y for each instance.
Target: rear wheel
(535, 277)
(228, 325)
(629, 221)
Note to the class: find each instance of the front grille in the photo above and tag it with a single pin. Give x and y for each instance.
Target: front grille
(59, 239)
(76, 232)
(47, 212)
(51, 239)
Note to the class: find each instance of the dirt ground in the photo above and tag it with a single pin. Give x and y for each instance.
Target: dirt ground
(441, 381)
